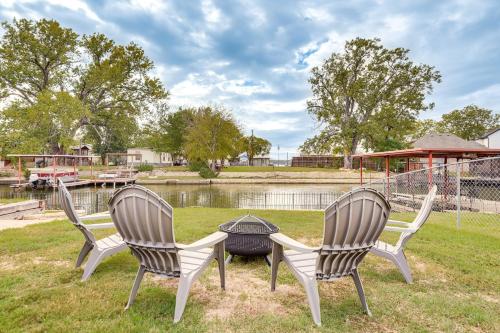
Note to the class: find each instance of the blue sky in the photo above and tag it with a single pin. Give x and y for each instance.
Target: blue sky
(255, 56)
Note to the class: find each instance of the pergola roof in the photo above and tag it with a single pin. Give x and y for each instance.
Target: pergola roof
(439, 145)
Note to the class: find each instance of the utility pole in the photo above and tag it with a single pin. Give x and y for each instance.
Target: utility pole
(250, 151)
(278, 155)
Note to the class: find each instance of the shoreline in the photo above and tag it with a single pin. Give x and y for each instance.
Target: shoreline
(222, 181)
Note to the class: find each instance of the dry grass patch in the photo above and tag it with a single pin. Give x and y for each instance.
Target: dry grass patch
(246, 294)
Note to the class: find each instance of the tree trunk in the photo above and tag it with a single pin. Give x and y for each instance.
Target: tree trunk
(349, 152)
(347, 160)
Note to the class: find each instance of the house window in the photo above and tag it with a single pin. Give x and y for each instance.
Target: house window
(138, 156)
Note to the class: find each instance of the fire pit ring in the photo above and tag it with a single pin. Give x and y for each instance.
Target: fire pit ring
(248, 236)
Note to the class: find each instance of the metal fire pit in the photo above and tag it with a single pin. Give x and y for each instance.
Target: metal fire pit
(248, 236)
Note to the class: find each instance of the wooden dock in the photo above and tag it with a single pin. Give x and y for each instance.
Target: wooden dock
(87, 182)
(101, 182)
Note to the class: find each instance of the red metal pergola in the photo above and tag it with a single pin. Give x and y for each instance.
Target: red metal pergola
(429, 153)
(54, 161)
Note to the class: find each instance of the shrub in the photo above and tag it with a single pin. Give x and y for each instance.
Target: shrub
(144, 167)
(206, 172)
(197, 165)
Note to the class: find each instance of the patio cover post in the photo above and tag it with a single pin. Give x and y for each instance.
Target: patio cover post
(54, 171)
(430, 169)
(19, 170)
(387, 174)
(361, 169)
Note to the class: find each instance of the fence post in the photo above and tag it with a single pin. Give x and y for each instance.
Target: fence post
(459, 199)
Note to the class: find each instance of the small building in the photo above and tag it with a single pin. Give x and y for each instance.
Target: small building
(84, 149)
(490, 139)
(261, 160)
(148, 156)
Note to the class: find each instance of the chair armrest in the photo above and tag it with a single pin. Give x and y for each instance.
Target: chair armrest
(100, 225)
(97, 216)
(208, 241)
(399, 229)
(400, 223)
(287, 242)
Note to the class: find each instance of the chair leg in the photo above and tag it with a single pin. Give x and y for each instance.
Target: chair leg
(94, 260)
(83, 253)
(229, 259)
(135, 287)
(182, 296)
(311, 287)
(219, 256)
(361, 292)
(276, 259)
(404, 268)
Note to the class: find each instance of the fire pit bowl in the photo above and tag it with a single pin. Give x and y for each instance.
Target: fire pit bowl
(248, 236)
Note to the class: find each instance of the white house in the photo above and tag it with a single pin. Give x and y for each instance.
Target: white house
(490, 139)
(148, 156)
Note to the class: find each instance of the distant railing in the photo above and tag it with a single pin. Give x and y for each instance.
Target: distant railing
(97, 201)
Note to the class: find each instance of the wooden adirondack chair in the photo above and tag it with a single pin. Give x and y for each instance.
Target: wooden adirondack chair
(395, 253)
(145, 221)
(98, 249)
(352, 225)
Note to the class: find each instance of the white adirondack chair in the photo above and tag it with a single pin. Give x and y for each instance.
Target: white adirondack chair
(395, 253)
(352, 225)
(98, 249)
(145, 221)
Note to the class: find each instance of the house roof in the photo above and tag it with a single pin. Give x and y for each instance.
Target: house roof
(84, 145)
(444, 141)
(489, 132)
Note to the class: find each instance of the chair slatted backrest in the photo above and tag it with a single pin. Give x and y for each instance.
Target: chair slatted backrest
(422, 216)
(352, 225)
(145, 222)
(66, 202)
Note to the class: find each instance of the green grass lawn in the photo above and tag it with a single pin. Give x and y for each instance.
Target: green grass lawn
(12, 200)
(456, 288)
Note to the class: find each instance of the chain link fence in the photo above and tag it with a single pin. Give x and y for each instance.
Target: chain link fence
(468, 190)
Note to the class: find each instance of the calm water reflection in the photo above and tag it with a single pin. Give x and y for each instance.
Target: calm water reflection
(272, 196)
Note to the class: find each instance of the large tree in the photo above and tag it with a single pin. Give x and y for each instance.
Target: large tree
(167, 133)
(469, 123)
(255, 146)
(112, 82)
(353, 88)
(212, 135)
(49, 125)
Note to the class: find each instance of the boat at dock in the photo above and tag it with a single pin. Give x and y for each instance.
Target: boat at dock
(48, 177)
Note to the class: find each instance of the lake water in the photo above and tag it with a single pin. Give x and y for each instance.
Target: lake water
(248, 196)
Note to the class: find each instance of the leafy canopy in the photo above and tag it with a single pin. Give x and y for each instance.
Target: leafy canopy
(365, 82)
(111, 82)
(212, 135)
(469, 123)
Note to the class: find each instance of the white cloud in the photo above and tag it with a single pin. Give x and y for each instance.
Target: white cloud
(78, 6)
(487, 97)
(213, 16)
